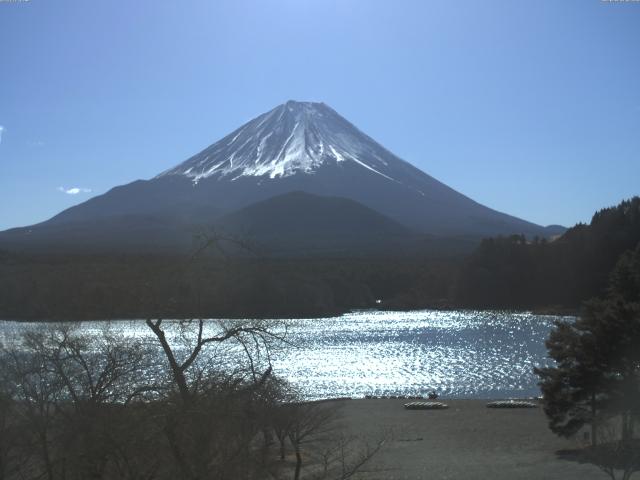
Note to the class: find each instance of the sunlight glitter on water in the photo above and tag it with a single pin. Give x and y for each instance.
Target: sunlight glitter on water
(457, 353)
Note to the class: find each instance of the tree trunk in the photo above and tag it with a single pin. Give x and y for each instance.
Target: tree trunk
(625, 428)
(267, 436)
(177, 452)
(298, 463)
(176, 371)
(47, 463)
(594, 421)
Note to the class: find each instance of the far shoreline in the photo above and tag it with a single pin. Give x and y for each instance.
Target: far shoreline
(543, 311)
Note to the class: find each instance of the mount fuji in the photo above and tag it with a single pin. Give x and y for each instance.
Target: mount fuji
(257, 180)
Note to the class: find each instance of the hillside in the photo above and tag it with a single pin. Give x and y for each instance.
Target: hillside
(512, 272)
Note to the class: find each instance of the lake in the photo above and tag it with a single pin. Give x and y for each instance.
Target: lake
(481, 354)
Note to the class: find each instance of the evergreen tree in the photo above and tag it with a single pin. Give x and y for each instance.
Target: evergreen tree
(597, 371)
(573, 390)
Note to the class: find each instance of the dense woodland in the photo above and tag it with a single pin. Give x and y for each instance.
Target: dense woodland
(506, 272)
(513, 272)
(107, 287)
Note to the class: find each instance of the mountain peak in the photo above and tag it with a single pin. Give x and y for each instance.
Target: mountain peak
(299, 104)
(293, 138)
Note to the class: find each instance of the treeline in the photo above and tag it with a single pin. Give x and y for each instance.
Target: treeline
(75, 407)
(506, 272)
(513, 272)
(107, 287)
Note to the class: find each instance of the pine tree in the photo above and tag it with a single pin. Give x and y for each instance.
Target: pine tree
(597, 371)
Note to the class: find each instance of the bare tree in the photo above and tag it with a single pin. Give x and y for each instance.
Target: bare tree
(309, 421)
(347, 455)
(200, 434)
(14, 451)
(37, 393)
(616, 454)
(318, 441)
(92, 369)
(260, 333)
(70, 392)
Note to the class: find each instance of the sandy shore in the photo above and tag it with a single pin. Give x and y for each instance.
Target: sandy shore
(467, 441)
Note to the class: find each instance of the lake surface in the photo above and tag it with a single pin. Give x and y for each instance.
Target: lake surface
(481, 354)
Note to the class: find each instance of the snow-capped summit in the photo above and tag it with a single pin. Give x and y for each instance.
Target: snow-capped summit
(295, 137)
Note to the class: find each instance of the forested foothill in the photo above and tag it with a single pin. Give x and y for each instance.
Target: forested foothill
(517, 273)
(514, 272)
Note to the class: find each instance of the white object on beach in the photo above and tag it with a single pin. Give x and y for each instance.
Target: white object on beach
(511, 404)
(425, 406)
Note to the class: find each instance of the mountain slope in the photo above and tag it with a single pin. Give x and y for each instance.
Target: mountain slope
(310, 146)
(297, 146)
(304, 223)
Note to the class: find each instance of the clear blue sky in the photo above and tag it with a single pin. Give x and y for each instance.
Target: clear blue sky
(530, 107)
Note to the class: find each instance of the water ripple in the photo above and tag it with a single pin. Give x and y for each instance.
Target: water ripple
(458, 353)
